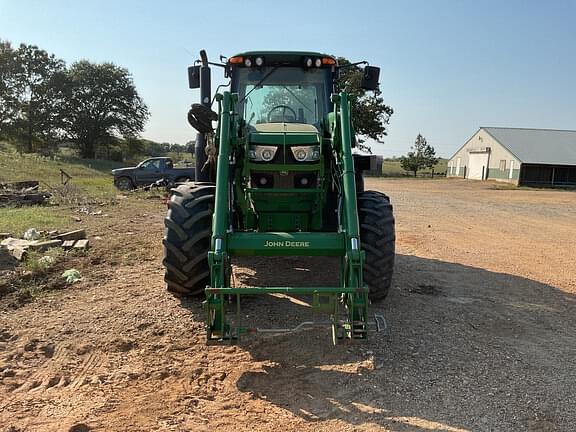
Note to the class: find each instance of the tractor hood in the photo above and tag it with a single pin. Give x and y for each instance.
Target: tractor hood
(284, 133)
(285, 127)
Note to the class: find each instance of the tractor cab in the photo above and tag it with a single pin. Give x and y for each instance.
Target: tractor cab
(282, 87)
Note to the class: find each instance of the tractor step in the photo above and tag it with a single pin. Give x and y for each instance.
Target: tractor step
(286, 244)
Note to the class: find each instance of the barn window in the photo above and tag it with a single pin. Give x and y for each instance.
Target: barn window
(503, 165)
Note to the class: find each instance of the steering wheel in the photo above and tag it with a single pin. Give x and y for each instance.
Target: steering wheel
(282, 107)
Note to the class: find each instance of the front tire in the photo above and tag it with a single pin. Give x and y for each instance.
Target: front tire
(377, 238)
(187, 240)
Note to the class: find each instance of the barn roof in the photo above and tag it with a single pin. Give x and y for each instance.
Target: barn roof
(538, 146)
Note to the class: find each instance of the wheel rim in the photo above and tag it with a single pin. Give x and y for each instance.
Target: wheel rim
(124, 184)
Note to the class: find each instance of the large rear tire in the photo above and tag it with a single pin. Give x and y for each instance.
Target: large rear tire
(187, 240)
(377, 237)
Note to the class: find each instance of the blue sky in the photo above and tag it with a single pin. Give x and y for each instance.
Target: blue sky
(448, 67)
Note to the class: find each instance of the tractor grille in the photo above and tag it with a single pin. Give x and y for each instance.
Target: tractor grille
(291, 180)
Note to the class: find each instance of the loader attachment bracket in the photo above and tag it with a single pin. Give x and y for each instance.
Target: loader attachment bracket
(347, 309)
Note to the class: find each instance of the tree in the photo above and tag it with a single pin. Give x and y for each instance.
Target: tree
(153, 148)
(102, 103)
(8, 86)
(422, 156)
(370, 114)
(31, 95)
(133, 146)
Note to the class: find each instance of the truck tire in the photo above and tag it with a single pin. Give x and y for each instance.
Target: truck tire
(124, 183)
(377, 239)
(187, 238)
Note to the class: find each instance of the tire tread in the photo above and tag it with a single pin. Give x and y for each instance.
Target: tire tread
(377, 238)
(187, 239)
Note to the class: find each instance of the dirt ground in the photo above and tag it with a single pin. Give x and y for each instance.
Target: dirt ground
(483, 336)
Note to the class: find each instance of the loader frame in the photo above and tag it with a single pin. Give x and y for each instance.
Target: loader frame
(347, 304)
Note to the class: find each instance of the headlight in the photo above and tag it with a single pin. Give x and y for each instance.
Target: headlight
(306, 153)
(260, 153)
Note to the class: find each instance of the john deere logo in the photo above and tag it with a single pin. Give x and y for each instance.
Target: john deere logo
(286, 243)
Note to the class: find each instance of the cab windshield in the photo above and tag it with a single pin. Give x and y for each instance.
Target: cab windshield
(282, 94)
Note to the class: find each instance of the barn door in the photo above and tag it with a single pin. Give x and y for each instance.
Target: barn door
(478, 166)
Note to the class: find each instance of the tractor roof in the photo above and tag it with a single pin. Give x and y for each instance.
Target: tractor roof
(283, 53)
(288, 58)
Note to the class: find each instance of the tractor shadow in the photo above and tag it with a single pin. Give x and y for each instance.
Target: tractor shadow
(469, 349)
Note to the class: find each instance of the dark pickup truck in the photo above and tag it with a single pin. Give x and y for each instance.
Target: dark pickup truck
(150, 171)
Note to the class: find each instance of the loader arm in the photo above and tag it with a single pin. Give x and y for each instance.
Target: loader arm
(226, 243)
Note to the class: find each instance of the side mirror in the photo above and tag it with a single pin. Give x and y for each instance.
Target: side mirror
(194, 77)
(370, 78)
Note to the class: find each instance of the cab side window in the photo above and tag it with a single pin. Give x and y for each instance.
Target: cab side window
(151, 164)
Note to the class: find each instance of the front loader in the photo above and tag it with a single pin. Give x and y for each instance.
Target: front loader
(278, 177)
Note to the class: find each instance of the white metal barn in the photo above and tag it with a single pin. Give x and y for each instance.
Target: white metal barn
(542, 157)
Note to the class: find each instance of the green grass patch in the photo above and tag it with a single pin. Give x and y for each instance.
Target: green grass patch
(103, 166)
(393, 168)
(41, 262)
(91, 182)
(92, 176)
(18, 220)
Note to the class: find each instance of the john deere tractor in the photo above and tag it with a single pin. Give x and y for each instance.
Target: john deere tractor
(278, 177)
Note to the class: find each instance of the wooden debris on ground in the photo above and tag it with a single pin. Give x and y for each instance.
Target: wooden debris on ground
(79, 234)
(22, 194)
(69, 240)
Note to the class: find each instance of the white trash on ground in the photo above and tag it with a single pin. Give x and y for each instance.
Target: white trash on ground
(31, 234)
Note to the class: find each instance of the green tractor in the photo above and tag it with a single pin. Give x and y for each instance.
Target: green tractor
(278, 177)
